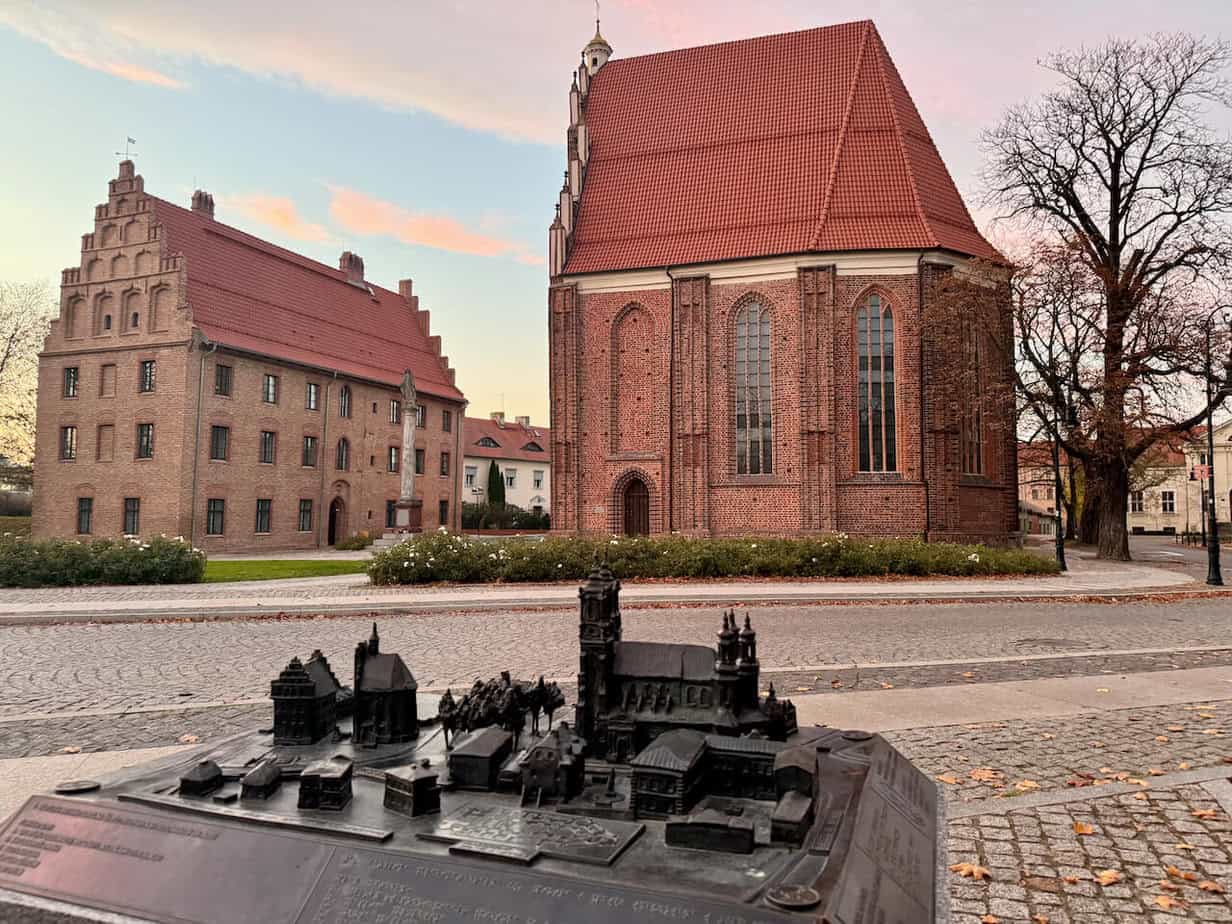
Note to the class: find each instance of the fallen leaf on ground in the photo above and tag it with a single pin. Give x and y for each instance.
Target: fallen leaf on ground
(1137, 782)
(1026, 785)
(1162, 739)
(1108, 876)
(1165, 901)
(967, 674)
(1181, 874)
(1105, 770)
(948, 778)
(1176, 728)
(1212, 731)
(804, 689)
(971, 871)
(1140, 796)
(1204, 813)
(1102, 690)
(1039, 919)
(1181, 845)
(1183, 765)
(189, 739)
(986, 775)
(886, 686)
(836, 683)
(72, 749)
(1206, 715)
(990, 919)
(1047, 736)
(1154, 771)
(1214, 887)
(1070, 880)
(1169, 886)
(1082, 828)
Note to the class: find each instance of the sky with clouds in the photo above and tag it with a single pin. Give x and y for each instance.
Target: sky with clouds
(429, 136)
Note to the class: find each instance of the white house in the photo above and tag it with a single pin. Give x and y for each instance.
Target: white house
(522, 454)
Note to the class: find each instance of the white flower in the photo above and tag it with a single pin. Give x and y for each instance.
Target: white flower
(559, 565)
(406, 564)
(814, 559)
(974, 556)
(613, 542)
(492, 556)
(753, 546)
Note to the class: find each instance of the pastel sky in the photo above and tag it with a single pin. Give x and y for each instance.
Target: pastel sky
(429, 136)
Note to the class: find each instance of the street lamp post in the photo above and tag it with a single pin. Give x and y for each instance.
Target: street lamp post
(1214, 574)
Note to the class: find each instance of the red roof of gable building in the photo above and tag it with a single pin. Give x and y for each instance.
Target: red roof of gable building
(251, 295)
(793, 143)
(511, 439)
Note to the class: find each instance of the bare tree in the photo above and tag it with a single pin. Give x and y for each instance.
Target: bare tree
(1119, 165)
(25, 309)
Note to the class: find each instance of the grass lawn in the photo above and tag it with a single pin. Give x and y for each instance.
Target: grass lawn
(269, 570)
(18, 526)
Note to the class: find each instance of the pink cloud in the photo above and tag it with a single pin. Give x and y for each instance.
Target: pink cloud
(363, 214)
(276, 212)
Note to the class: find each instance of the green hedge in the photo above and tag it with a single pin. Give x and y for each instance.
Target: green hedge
(502, 516)
(443, 557)
(72, 563)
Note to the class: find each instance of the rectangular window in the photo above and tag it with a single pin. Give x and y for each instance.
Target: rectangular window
(222, 381)
(85, 515)
(391, 514)
(310, 452)
(444, 463)
(104, 446)
(420, 461)
(269, 389)
(264, 505)
(469, 475)
(511, 477)
(72, 376)
(269, 446)
(537, 479)
(754, 444)
(421, 416)
(145, 441)
(220, 443)
(305, 516)
(145, 379)
(68, 443)
(312, 401)
(215, 515)
(392, 458)
(106, 381)
(1135, 502)
(442, 513)
(395, 411)
(132, 516)
(447, 421)
(1167, 501)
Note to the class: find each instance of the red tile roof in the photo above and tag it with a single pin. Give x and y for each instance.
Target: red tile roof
(783, 144)
(251, 295)
(511, 437)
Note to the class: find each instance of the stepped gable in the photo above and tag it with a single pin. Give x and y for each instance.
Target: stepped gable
(251, 295)
(783, 144)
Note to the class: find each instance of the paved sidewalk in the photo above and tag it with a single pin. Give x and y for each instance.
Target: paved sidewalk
(351, 593)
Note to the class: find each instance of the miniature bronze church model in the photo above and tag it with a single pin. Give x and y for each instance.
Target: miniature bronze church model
(628, 693)
(385, 690)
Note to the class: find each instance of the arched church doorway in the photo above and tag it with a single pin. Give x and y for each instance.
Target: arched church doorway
(636, 508)
(337, 520)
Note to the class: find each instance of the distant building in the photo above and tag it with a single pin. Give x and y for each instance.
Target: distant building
(385, 709)
(522, 454)
(202, 382)
(16, 488)
(1196, 490)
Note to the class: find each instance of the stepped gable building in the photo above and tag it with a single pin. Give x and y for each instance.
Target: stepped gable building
(629, 693)
(305, 699)
(202, 382)
(747, 328)
(386, 711)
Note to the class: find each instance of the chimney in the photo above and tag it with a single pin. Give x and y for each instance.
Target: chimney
(203, 202)
(523, 421)
(499, 417)
(353, 265)
(404, 288)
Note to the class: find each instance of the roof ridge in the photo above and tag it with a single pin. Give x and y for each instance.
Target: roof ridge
(739, 41)
(883, 59)
(842, 136)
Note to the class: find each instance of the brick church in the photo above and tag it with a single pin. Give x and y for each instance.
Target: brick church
(750, 324)
(202, 382)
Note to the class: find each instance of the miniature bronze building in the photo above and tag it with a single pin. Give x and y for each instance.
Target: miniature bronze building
(262, 781)
(554, 767)
(412, 791)
(629, 693)
(305, 701)
(711, 829)
(201, 780)
(669, 775)
(476, 761)
(741, 767)
(385, 710)
(326, 784)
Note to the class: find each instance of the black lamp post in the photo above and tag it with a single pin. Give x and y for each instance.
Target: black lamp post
(1214, 575)
(1071, 419)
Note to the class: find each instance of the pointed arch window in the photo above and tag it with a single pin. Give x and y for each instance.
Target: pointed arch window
(754, 430)
(342, 461)
(875, 386)
(344, 401)
(972, 423)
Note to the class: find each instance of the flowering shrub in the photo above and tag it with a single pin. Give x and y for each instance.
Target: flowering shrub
(72, 563)
(443, 557)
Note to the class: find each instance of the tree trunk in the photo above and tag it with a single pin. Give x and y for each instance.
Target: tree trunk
(1092, 506)
(1113, 532)
(1071, 500)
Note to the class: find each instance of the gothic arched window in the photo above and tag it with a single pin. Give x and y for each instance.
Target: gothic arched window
(342, 462)
(971, 435)
(754, 434)
(875, 386)
(344, 401)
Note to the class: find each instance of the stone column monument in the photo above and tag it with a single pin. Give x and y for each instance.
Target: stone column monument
(409, 508)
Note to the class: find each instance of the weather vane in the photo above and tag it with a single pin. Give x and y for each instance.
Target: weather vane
(128, 141)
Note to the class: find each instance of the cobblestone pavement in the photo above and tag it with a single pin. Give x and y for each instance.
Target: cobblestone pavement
(117, 667)
(1163, 854)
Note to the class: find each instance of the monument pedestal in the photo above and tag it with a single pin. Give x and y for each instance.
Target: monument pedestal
(409, 515)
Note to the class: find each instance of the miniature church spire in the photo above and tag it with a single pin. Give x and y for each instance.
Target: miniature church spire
(374, 643)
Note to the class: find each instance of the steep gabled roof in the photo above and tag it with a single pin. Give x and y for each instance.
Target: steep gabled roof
(251, 295)
(784, 144)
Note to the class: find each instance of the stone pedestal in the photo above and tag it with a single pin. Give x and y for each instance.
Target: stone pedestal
(409, 515)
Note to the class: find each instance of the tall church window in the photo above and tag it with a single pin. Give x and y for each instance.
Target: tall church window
(343, 460)
(344, 401)
(754, 433)
(971, 434)
(875, 386)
